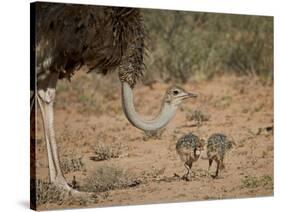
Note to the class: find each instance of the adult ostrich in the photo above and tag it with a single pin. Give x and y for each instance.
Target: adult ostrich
(103, 39)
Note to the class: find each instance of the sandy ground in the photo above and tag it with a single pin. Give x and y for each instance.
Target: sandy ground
(88, 113)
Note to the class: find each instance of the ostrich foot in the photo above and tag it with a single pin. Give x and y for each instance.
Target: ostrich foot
(65, 187)
(61, 183)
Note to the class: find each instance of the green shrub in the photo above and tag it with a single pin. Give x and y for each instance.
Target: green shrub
(194, 45)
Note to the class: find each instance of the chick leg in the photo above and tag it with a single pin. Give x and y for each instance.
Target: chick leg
(210, 164)
(218, 167)
(188, 166)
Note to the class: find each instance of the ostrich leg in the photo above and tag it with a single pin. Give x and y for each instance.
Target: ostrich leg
(46, 98)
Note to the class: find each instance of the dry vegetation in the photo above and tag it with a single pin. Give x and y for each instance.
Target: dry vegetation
(196, 45)
(102, 151)
(106, 178)
(226, 61)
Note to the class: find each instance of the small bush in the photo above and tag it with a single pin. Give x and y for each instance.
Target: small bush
(250, 182)
(72, 164)
(198, 116)
(107, 178)
(255, 182)
(104, 151)
(266, 181)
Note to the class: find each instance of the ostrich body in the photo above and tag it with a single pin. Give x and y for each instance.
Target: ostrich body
(217, 146)
(189, 148)
(103, 39)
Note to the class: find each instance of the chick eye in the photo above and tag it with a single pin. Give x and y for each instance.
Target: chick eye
(175, 92)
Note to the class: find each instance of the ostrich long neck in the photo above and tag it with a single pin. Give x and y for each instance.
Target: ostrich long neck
(167, 112)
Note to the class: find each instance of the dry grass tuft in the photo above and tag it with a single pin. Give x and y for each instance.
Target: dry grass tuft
(104, 151)
(255, 182)
(107, 178)
(72, 164)
(198, 116)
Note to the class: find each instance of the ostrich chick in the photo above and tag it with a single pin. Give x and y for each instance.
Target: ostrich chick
(189, 148)
(217, 146)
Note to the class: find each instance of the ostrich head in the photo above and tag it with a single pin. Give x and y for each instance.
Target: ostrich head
(175, 95)
(173, 98)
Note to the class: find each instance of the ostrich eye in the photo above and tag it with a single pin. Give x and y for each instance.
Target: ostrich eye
(175, 92)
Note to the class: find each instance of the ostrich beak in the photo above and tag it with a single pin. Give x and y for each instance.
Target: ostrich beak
(188, 95)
